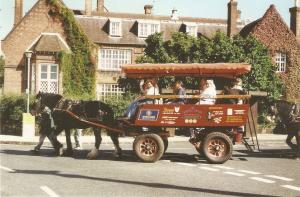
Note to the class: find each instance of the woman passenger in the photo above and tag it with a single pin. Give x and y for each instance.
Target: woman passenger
(207, 92)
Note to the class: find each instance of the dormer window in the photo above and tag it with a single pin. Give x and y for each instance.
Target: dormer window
(145, 29)
(280, 61)
(191, 29)
(115, 28)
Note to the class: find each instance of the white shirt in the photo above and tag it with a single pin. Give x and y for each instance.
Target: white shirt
(209, 94)
(152, 91)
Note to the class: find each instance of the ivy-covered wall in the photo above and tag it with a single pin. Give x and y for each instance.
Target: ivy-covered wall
(274, 33)
(78, 66)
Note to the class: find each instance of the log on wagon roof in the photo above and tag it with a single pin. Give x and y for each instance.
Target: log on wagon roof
(146, 70)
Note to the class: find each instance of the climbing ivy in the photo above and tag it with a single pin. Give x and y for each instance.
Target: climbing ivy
(78, 66)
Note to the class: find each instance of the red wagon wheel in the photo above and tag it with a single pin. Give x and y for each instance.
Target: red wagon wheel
(217, 147)
(148, 147)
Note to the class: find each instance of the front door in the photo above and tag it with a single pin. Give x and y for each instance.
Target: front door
(48, 78)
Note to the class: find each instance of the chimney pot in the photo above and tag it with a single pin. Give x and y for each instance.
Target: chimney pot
(148, 9)
(100, 6)
(232, 19)
(295, 21)
(174, 15)
(18, 11)
(88, 7)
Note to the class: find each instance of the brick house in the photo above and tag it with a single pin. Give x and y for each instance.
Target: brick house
(36, 32)
(120, 37)
(283, 45)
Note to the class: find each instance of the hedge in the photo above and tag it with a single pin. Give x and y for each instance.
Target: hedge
(11, 109)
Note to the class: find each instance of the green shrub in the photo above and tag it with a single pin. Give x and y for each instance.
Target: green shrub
(119, 104)
(11, 109)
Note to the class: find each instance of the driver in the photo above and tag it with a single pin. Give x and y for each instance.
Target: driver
(148, 88)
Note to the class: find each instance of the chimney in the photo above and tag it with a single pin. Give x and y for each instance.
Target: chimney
(88, 7)
(232, 18)
(295, 20)
(148, 9)
(174, 15)
(100, 6)
(18, 11)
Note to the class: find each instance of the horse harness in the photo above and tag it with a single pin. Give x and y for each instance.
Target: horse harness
(73, 107)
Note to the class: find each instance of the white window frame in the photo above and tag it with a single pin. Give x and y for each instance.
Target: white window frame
(112, 59)
(107, 90)
(147, 28)
(188, 27)
(115, 27)
(48, 80)
(280, 62)
(192, 33)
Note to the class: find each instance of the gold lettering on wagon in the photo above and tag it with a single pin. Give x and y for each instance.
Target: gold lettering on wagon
(234, 119)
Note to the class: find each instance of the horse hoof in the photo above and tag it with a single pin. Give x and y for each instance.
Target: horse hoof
(60, 151)
(117, 154)
(93, 154)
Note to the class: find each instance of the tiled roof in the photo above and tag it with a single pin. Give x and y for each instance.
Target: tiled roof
(249, 27)
(49, 43)
(97, 27)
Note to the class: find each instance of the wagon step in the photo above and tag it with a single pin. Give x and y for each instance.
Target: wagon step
(250, 146)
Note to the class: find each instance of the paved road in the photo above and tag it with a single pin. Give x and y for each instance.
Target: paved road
(180, 173)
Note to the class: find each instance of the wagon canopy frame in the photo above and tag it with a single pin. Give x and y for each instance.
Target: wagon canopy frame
(148, 70)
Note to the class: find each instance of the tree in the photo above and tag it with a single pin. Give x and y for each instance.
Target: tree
(182, 48)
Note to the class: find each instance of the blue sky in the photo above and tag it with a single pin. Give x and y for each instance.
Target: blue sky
(251, 9)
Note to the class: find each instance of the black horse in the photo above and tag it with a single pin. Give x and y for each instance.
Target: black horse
(289, 114)
(93, 111)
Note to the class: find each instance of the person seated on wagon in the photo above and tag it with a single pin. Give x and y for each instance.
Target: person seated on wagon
(148, 89)
(207, 92)
(235, 88)
(180, 91)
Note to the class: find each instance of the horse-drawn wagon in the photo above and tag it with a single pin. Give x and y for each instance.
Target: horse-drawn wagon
(216, 126)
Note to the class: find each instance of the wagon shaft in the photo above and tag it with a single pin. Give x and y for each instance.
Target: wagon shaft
(94, 123)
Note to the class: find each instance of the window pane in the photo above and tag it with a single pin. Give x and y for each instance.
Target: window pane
(48, 81)
(115, 28)
(43, 75)
(53, 68)
(53, 75)
(43, 68)
(280, 62)
(105, 91)
(114, 59)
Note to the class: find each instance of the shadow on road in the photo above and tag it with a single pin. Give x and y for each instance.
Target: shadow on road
(268, 153)
(127, 155)
(43, 152)
(145, 184)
